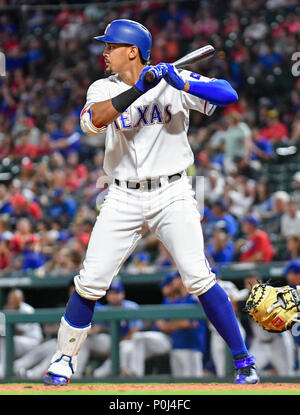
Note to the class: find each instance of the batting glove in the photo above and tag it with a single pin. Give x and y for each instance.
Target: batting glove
(172, 76)
(144, 86)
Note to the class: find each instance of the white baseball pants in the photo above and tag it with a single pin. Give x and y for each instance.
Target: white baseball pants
(280, 353)
(186, 363)
(126, 349)
(218, 349)
(170, 212)
(147, 344)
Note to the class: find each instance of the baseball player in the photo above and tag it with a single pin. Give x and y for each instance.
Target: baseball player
(188, 336)
(277, 349)
(27, 335)
(146, 156)
(116, 298)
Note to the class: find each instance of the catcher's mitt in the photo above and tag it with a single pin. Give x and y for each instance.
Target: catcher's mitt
(273, 308)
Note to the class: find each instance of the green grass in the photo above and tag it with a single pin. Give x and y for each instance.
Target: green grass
(64, 391)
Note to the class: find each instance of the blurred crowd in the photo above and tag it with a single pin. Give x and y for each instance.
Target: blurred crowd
(49, 188)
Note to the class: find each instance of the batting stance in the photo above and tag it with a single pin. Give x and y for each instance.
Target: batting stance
(146, 156)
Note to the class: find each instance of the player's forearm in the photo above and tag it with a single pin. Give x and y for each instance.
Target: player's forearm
(96, 117)
(174, 325)
(103, 113)
(218, 92)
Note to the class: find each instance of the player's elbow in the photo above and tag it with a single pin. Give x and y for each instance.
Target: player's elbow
(227, 95)
(87, 124)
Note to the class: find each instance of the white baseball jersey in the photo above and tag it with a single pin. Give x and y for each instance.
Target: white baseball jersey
(149, 139)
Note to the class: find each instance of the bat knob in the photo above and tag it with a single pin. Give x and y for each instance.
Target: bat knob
(149, 77)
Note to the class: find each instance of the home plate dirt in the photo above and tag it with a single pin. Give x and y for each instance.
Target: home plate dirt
(102, 388)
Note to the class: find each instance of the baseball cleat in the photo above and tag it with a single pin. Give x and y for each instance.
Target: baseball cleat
(51, 379)
(246, 370)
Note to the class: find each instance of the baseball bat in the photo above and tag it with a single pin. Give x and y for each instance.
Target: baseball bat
(197, 55)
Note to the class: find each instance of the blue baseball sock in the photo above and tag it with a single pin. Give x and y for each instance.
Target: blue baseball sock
(79, 311)
(221, 314)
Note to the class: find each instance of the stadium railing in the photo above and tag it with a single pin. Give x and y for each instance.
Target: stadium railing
(112, 316)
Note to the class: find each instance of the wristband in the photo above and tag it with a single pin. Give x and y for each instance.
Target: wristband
(122, 101)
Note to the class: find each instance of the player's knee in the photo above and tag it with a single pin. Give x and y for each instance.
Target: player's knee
(87, 289)
(198, 285)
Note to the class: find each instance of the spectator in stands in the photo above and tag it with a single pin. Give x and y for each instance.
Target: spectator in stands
(21, 208)
(5, 228)
(221, 218)
(237, 140)
(290, 220)
(23, 233)
(296, 193)
(262, 203)
(221, 248)
(139, 263)
(5, 205)
(245, 169)
(33, 257)
(295, 129)
(292, 272)
(258, 247)
(261, 148)
(280, 200)
(62, 207)
(26, 335)
(239, 194)
(5, 254)
(70, 138)
(292, 250)
(213, 186)
(163, 259)
(275, 130)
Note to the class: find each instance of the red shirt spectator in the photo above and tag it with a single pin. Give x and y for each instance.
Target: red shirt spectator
(5, 254)
(20, 204)
(258, 247)
(275, 130)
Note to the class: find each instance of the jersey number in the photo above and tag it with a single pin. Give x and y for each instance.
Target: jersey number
(195, 75)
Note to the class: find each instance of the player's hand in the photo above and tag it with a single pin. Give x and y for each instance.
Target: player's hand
(172, 76)
(159, 72)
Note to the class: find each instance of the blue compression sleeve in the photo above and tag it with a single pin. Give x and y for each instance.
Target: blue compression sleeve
(217, 92)
(220, 312)
(79, 311)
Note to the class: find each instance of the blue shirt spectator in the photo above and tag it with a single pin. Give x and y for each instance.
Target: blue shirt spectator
(193, 338)
(116, 298)
(220, 249)
(220, 219)
(61, 206)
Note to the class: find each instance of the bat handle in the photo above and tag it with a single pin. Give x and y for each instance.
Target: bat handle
(149, 76)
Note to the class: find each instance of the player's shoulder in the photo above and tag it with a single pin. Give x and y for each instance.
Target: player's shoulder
(100, 83)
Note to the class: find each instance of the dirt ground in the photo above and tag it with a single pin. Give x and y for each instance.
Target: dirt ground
(27, 388)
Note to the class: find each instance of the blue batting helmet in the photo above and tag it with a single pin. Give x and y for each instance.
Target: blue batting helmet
(129, 32)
